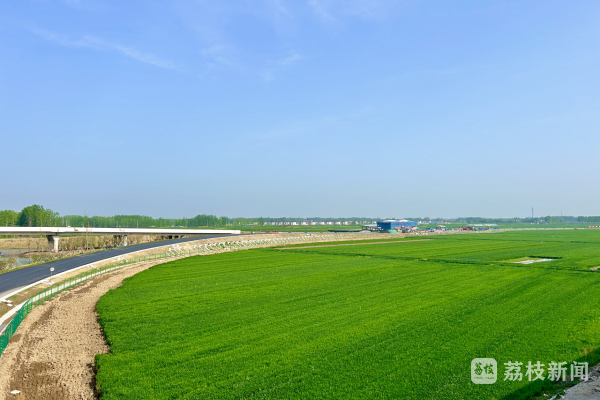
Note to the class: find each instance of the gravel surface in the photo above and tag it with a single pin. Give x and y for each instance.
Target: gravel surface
(589, 390)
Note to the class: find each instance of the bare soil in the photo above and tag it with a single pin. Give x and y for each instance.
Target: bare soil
(52, 355)
(73, 242)
(589, 390)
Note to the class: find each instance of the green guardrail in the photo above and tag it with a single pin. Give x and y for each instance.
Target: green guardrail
(175, 251)
(68, 283)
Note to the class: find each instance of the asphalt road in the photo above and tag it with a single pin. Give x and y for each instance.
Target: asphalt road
(11, 281)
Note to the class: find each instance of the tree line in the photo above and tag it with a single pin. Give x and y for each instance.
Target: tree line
(34, 215)
(143, 221)
(37, 215)
(587, 220)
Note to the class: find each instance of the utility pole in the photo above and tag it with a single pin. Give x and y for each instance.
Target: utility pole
(87, 226)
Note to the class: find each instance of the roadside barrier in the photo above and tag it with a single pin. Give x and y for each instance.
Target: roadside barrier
(177, 250)
(49, 293)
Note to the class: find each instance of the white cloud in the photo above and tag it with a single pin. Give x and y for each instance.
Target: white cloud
(332, 11)
(322, 10)
(95, 43)
(220, 54)
(292, 59)
(62, 40)
(280, 64)
(216, 26)
(143, 57)
(276, 11)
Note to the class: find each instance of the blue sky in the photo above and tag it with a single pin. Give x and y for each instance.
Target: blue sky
(305, 108)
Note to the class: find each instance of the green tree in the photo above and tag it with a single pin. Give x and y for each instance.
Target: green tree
(8, 218)
(36, 215)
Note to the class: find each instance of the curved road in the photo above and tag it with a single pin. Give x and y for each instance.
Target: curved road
(11, 281)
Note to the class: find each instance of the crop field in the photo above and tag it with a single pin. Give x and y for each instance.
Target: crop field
(287, 228)
(396, 320)
(358, 227)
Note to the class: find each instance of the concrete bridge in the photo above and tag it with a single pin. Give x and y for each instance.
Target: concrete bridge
(53, 233)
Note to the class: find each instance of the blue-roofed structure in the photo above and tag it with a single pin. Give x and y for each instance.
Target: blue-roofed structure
(393, 225)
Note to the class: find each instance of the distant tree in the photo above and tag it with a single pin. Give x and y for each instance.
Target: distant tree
(36, 215)
(9, 217)
(589, 219)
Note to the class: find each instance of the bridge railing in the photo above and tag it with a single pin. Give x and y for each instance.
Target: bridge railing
(174, 251)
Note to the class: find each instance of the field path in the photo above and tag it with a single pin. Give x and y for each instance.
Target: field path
(52, 356)
(350, 244)
(589, 390)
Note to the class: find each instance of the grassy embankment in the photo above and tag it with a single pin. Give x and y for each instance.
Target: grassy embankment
(399, 320)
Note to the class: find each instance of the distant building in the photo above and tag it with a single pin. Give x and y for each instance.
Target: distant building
(393, 225)
(369, 227)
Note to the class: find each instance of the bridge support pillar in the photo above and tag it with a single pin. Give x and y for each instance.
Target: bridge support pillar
(53, 242)
(120, 240)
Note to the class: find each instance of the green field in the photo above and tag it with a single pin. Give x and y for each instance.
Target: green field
(327, 228)
(512, 226)
(288, 228)
(388, 321)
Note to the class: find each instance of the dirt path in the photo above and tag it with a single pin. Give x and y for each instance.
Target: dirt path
(589, 390)
(52, 355)
(350, 244)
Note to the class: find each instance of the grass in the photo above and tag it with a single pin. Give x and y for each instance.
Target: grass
(514, 226)
(286, 228)
(387, 321)
(327, 228)
(353, 242)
